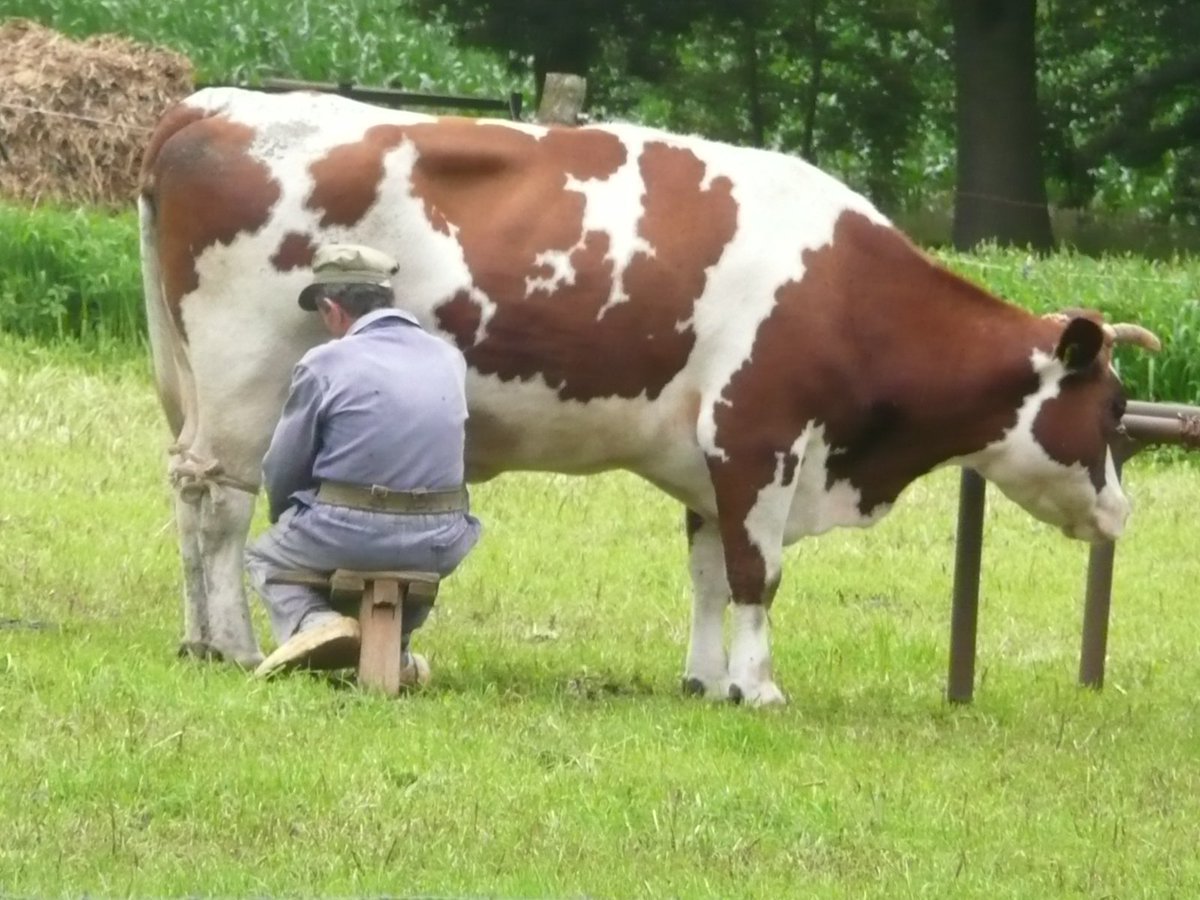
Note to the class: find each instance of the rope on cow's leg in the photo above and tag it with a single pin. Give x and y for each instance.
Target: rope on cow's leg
(194, 476)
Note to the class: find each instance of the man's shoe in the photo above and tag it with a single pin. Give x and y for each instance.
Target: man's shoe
(330, 645)
(414, 670)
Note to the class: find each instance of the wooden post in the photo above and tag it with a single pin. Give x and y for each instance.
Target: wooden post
(562, 99)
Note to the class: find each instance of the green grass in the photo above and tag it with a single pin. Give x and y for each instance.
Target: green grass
(374, 42)
(572, 765)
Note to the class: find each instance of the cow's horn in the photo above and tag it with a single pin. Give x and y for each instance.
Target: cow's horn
(1128, 333)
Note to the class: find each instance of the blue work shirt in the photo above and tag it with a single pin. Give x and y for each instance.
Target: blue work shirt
(385, 404)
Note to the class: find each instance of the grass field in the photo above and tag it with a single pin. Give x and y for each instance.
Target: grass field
(554, 754)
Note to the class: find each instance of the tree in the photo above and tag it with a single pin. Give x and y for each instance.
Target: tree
(558, 36)
(1121, 93)
(1001, 191)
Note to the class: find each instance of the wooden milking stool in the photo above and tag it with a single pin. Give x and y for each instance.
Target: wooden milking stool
(379, 599)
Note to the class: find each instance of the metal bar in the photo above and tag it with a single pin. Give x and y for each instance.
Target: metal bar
(391, 97)
(386, 96)
(1142, 408)
(1097, 606)
(964, 614)
(1153, 429)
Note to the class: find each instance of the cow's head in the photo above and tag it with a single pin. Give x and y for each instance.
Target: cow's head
(1057, 461)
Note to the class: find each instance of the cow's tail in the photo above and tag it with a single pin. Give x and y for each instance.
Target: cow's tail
(172, 370)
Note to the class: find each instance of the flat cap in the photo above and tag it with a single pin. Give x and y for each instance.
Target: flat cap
(347, 264)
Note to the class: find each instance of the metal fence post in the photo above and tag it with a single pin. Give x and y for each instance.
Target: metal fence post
(1097, 604)
(964, 614)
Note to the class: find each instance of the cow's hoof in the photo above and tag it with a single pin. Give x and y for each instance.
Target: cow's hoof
(248, 660)
(198, 650)
(205, 652)
(695, 686)
(765, 693)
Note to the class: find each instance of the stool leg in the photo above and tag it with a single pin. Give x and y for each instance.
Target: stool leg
(381, 618)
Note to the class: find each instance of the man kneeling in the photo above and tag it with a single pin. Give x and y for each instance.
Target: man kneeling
(365, 469)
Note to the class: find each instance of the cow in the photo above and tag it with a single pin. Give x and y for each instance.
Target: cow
(733, 325)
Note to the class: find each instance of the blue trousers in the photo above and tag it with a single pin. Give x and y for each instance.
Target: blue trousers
(321, 538)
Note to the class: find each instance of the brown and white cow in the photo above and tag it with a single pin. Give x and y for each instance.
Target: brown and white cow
(733, 325)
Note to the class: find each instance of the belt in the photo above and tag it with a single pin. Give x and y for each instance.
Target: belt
(378, 498)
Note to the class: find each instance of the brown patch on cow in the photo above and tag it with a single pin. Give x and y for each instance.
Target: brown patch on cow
(346, 180)
(585, 154)
(887, 351)
(460, 318)
(1068, 427)
(206, 189)
(295, 251)
(172, 122)
(565, 334)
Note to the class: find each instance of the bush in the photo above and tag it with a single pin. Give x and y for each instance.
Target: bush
(70, 274)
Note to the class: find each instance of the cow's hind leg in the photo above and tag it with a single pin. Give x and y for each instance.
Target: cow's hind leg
(213, 512)
(195, 593)
(707, 671)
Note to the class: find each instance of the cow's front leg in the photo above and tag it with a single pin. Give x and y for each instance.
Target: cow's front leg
(754, 495)
(750, 678)
(707, 672)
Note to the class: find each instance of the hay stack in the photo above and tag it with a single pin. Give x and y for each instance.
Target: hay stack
(117, 87)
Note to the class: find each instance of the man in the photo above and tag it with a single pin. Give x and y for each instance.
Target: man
(365, 469)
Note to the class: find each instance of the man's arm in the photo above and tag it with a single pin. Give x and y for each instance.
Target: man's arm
(288, 465)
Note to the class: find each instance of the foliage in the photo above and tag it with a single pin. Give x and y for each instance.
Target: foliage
(866, 89)
(376, 42)
(1121, 96)
(69, 273)
(553, 754)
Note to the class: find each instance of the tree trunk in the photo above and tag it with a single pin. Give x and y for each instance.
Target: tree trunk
(816, 43)
(758, 124)
(1001, 190)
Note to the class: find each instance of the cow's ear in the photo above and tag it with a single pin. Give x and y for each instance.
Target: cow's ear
(1080, 344)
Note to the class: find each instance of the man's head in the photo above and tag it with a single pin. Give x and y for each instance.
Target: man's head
(349, 281)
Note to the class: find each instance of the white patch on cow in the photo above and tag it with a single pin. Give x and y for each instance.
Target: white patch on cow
(1062, 495)
(612, 206)
(818, 506)
(562, 272)
(750, 656)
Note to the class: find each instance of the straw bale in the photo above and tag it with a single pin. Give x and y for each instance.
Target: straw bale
(116, 87)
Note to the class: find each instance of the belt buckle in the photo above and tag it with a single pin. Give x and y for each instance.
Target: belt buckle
(379, 495)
